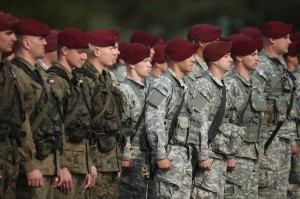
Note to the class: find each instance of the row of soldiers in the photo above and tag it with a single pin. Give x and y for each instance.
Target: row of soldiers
(185, 126)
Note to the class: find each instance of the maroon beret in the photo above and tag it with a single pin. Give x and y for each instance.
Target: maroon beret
(180, 49)
(204, 32)
(297, 47)
(7, 21)
(275, 29)
(235, 37)
(103, 38)
(51, 39)
(292, 51)
(122, 48)
(295, 36)
(244, 46)
(32, 27)
(73, 38)
(216, 50)
(159, 56)
(135, 53)
(251, 31)
(143, 38)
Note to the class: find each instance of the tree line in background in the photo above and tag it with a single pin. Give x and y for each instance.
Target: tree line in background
(165, 18)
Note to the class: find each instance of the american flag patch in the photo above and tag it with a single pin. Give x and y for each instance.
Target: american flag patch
(51, 81)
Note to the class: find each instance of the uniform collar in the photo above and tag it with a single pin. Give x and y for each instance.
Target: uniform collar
(139, 82)
(214, 78)
(70, 75)
(181, 81)
(200, 63)
(42, 64)
(90, 67)
(28, 65)
(245, 81)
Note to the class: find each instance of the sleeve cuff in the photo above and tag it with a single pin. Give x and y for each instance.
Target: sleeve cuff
(161, 153)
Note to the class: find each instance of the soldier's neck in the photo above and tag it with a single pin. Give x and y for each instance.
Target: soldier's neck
(271, 51)
(245, 73)
(65, 64)
(97, 65)
(26, 56)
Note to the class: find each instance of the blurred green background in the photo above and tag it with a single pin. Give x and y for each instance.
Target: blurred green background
(165, 18)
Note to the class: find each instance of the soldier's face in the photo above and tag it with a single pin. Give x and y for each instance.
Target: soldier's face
(186, 66)
(143, 68)
(36, 46)
(108, 55)
(225, 63)
(281, 45)
(152, 53)
(76, 57)
(250, 61)
(7, 40)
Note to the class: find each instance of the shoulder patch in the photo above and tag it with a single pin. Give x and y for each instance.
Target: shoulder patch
(156, 96)
(200, 101)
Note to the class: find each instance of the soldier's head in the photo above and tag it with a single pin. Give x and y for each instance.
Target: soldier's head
(51, 47)
(122, 48)
(159, 61)
(276, 38)
(179, 54)
(7, 35)
(255, 34)
(203, 34)
(291, 56)
(72, 45)
(137, 58)
(244, 52)
(217, 57)
(146, 39)
(31, 39)
(103, 46)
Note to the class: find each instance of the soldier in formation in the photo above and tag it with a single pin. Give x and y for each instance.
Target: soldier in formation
(70, 130)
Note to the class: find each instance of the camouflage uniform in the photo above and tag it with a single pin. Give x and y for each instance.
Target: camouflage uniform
(198, 68)
(248, 101)
(107, 109)
(275, 162)
(207, 98)
(11, 117)
(77, 122)
(33, 87)
(120, 71)
(294, 178)
(133, 184)
(165, 96)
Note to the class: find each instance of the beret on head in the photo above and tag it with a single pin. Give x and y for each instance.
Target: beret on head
(216, 50)
(180, 49)
(32, 27)
(159, 56)
(122, 48)
(73, 38)
(275, 29)
(251, 31)
(244, 46)
(144, 38)
(295, 36)
(103, 38)
(292, 51)
(135, 53)
(7, 21)
(204, 32)
(51, 39)
(235, 37)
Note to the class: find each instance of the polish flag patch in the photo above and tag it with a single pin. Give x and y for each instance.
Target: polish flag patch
(51, 81)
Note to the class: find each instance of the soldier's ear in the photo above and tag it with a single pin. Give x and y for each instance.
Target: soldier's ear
(26, 43)
(239, 58)
(64, 50)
